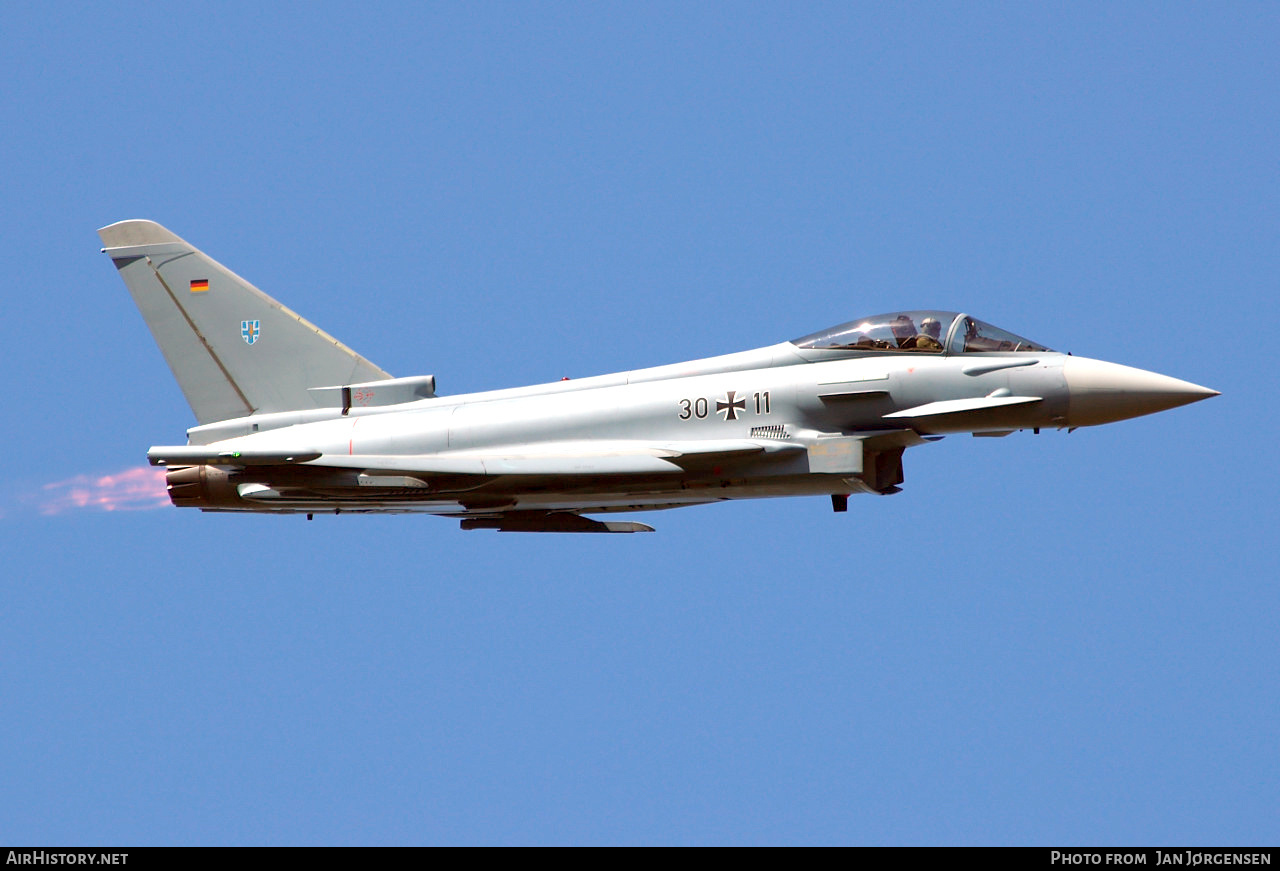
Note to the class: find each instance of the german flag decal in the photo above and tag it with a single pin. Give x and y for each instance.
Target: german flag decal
(199, 285)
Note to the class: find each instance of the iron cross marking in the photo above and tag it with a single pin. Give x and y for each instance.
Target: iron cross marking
(730, 407)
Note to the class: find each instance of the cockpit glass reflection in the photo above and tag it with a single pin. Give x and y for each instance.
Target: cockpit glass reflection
(913, 331)
(974, 336)
(918, 332)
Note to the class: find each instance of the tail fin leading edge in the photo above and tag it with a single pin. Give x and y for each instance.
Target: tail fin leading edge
(233, 349)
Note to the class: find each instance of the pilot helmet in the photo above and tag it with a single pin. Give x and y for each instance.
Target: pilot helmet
(902, 327)
(931, 327)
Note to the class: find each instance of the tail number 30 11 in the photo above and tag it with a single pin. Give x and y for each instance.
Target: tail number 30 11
(729, 407)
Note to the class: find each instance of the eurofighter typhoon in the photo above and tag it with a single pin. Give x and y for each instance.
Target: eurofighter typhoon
(291, 421)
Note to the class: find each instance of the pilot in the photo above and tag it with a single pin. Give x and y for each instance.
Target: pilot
(904, 331)
(930, 337)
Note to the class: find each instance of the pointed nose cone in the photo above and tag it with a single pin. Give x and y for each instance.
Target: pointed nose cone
(1102, 392)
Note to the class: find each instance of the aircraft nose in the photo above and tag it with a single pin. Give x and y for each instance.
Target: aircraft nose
(1102, 392)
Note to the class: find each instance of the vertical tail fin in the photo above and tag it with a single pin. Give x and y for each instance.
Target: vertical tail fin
(233, 349)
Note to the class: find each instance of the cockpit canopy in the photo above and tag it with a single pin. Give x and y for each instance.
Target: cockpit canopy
(928, 332)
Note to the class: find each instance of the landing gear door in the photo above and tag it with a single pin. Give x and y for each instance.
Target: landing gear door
(840, 455)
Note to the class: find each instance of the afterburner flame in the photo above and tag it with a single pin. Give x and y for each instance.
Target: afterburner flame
(138, 489)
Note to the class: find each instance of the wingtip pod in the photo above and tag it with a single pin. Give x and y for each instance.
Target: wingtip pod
(200, 455)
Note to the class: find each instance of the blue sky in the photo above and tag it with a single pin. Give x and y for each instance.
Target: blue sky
(1054, 639)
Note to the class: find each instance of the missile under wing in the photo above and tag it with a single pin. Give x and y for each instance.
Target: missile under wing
(290, 420)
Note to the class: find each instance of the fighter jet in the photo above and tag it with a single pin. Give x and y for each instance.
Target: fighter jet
(292, 421)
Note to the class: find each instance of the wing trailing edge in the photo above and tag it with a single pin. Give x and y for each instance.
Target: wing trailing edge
(569, 459)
